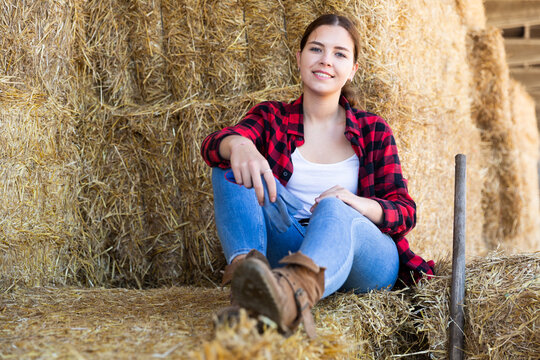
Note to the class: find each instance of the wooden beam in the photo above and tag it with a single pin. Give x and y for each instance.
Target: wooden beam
(535, 93)
(522, 51)
(501, 13)
(536, 97)
(530, 78)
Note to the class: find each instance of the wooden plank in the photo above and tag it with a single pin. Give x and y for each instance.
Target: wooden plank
(502, 13)
(530, 78)
(522, 51)
(537, 101)
(457, 292)
(535, 94)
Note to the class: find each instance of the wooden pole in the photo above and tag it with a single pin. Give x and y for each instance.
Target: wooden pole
(457, 296)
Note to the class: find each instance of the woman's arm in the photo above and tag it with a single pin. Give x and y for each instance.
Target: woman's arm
(241, 148)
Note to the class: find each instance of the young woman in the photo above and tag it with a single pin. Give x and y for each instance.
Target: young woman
(336, 217)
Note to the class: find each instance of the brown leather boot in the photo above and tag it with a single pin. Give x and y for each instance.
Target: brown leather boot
(285, 295)
(231, 313)
(229, 269)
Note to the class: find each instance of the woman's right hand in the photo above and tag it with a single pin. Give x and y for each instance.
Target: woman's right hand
(248, 164)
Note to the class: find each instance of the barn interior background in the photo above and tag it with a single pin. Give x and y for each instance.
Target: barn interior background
(104, 104)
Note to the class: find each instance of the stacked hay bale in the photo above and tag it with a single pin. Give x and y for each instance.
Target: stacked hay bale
(129, 196)
(527, 153)
(501, 308)
(37, 181)
(472, 13)
(505, 197)
(38, 155)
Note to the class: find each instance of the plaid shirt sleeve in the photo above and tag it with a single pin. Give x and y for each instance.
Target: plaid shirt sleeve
(251, 127)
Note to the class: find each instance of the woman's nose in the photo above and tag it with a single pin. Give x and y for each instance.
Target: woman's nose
(325, 60)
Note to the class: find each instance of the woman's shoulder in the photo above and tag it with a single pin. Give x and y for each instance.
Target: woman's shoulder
(369, 121)
(271, 107)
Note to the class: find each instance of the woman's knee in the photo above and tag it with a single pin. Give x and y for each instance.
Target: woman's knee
(330, 205)
(376, 264)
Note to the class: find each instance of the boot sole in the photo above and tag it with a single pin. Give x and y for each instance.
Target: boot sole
(252, 291)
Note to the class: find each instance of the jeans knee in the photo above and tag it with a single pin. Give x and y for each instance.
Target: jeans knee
(330, 204)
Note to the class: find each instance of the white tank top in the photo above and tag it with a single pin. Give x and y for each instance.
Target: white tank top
(309, 179)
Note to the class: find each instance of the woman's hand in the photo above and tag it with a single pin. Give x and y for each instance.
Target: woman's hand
(248, 165)
(367, 207)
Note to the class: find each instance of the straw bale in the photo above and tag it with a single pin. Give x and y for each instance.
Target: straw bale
(225, 50)
(501, 308)
(183, 39)
(528, 156)
(146, 44)
(212, 91)
(502, 198)
(129, 198)
(38, 178)
(269, 65)
(206, 46)
(472, 13)
(119, 50)
(104, 52)
(143, 82)
(38, 154)
(35, 45)
(501, 305)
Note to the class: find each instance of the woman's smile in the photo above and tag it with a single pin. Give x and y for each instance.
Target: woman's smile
(322, 75)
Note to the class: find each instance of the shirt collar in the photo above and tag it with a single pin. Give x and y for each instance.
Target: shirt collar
(296, 117)
(351, 122)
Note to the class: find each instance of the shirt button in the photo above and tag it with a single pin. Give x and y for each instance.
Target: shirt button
(285, 173)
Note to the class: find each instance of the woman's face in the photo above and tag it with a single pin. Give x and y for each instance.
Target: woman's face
(327, 60)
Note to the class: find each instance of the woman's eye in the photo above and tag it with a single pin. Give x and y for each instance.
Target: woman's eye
(315, 49)
(340, 54)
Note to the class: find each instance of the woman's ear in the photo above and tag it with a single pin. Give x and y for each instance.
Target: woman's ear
(353, 72)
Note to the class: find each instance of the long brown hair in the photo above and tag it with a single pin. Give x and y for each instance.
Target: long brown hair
(337, 20)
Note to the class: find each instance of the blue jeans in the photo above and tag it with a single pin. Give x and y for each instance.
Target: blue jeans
(356, 254)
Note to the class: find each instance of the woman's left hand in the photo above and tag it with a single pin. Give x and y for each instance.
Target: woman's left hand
(337, 191)
(367, 207)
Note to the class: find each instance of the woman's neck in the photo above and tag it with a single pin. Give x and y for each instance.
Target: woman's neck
(321, 109)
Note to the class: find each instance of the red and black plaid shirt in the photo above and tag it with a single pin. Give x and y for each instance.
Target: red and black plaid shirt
(277, 128)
